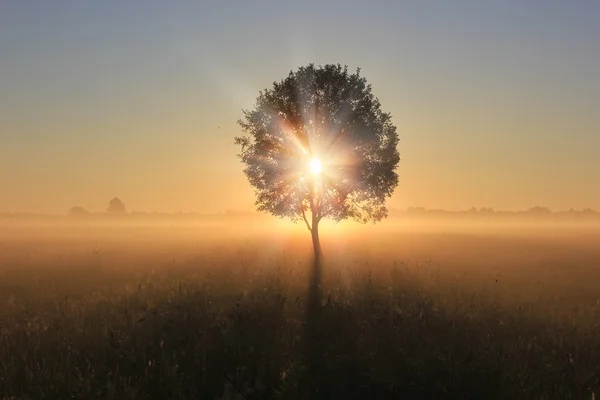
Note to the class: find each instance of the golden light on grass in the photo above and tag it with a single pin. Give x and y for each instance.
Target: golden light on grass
(315, 166)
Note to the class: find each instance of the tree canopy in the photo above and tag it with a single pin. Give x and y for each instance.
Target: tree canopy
(318, 141)
(116, 206)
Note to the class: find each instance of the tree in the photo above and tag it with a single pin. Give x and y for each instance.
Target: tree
(318, 142)
(79, 212)
(116, 207)
(539, 210)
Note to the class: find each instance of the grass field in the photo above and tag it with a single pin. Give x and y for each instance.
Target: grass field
(167, 314)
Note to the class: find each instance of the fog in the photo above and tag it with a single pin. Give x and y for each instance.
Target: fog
(490, 246)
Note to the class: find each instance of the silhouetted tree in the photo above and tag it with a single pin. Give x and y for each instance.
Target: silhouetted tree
(318, 142)
(116, 207)
(538, 210)
(79, 212)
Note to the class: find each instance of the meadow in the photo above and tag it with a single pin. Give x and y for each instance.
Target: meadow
(402, 312)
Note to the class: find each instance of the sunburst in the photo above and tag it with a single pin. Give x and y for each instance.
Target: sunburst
(315, 166)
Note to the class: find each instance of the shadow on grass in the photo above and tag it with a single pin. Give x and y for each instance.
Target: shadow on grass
(314, 340)
(332, 362)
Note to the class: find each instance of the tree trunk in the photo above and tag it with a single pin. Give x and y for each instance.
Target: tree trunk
(316, 339)
(315, 238)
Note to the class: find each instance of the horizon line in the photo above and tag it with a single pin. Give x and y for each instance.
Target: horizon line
(539, 210)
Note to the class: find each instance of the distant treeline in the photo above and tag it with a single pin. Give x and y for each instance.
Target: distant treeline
(534, 213)
(132, 215)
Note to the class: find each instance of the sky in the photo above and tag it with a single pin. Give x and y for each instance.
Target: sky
(497, 104)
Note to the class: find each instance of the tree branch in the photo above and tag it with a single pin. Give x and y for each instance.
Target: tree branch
(305, 220)
(319, 215)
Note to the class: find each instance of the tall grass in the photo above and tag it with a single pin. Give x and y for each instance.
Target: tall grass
(232, 323)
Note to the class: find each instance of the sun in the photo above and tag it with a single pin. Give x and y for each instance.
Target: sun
(315, 166)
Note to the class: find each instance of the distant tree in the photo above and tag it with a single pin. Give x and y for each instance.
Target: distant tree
(538, 210)
(79, 212)
(318, 142)
(116, 207)
(589, 211)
